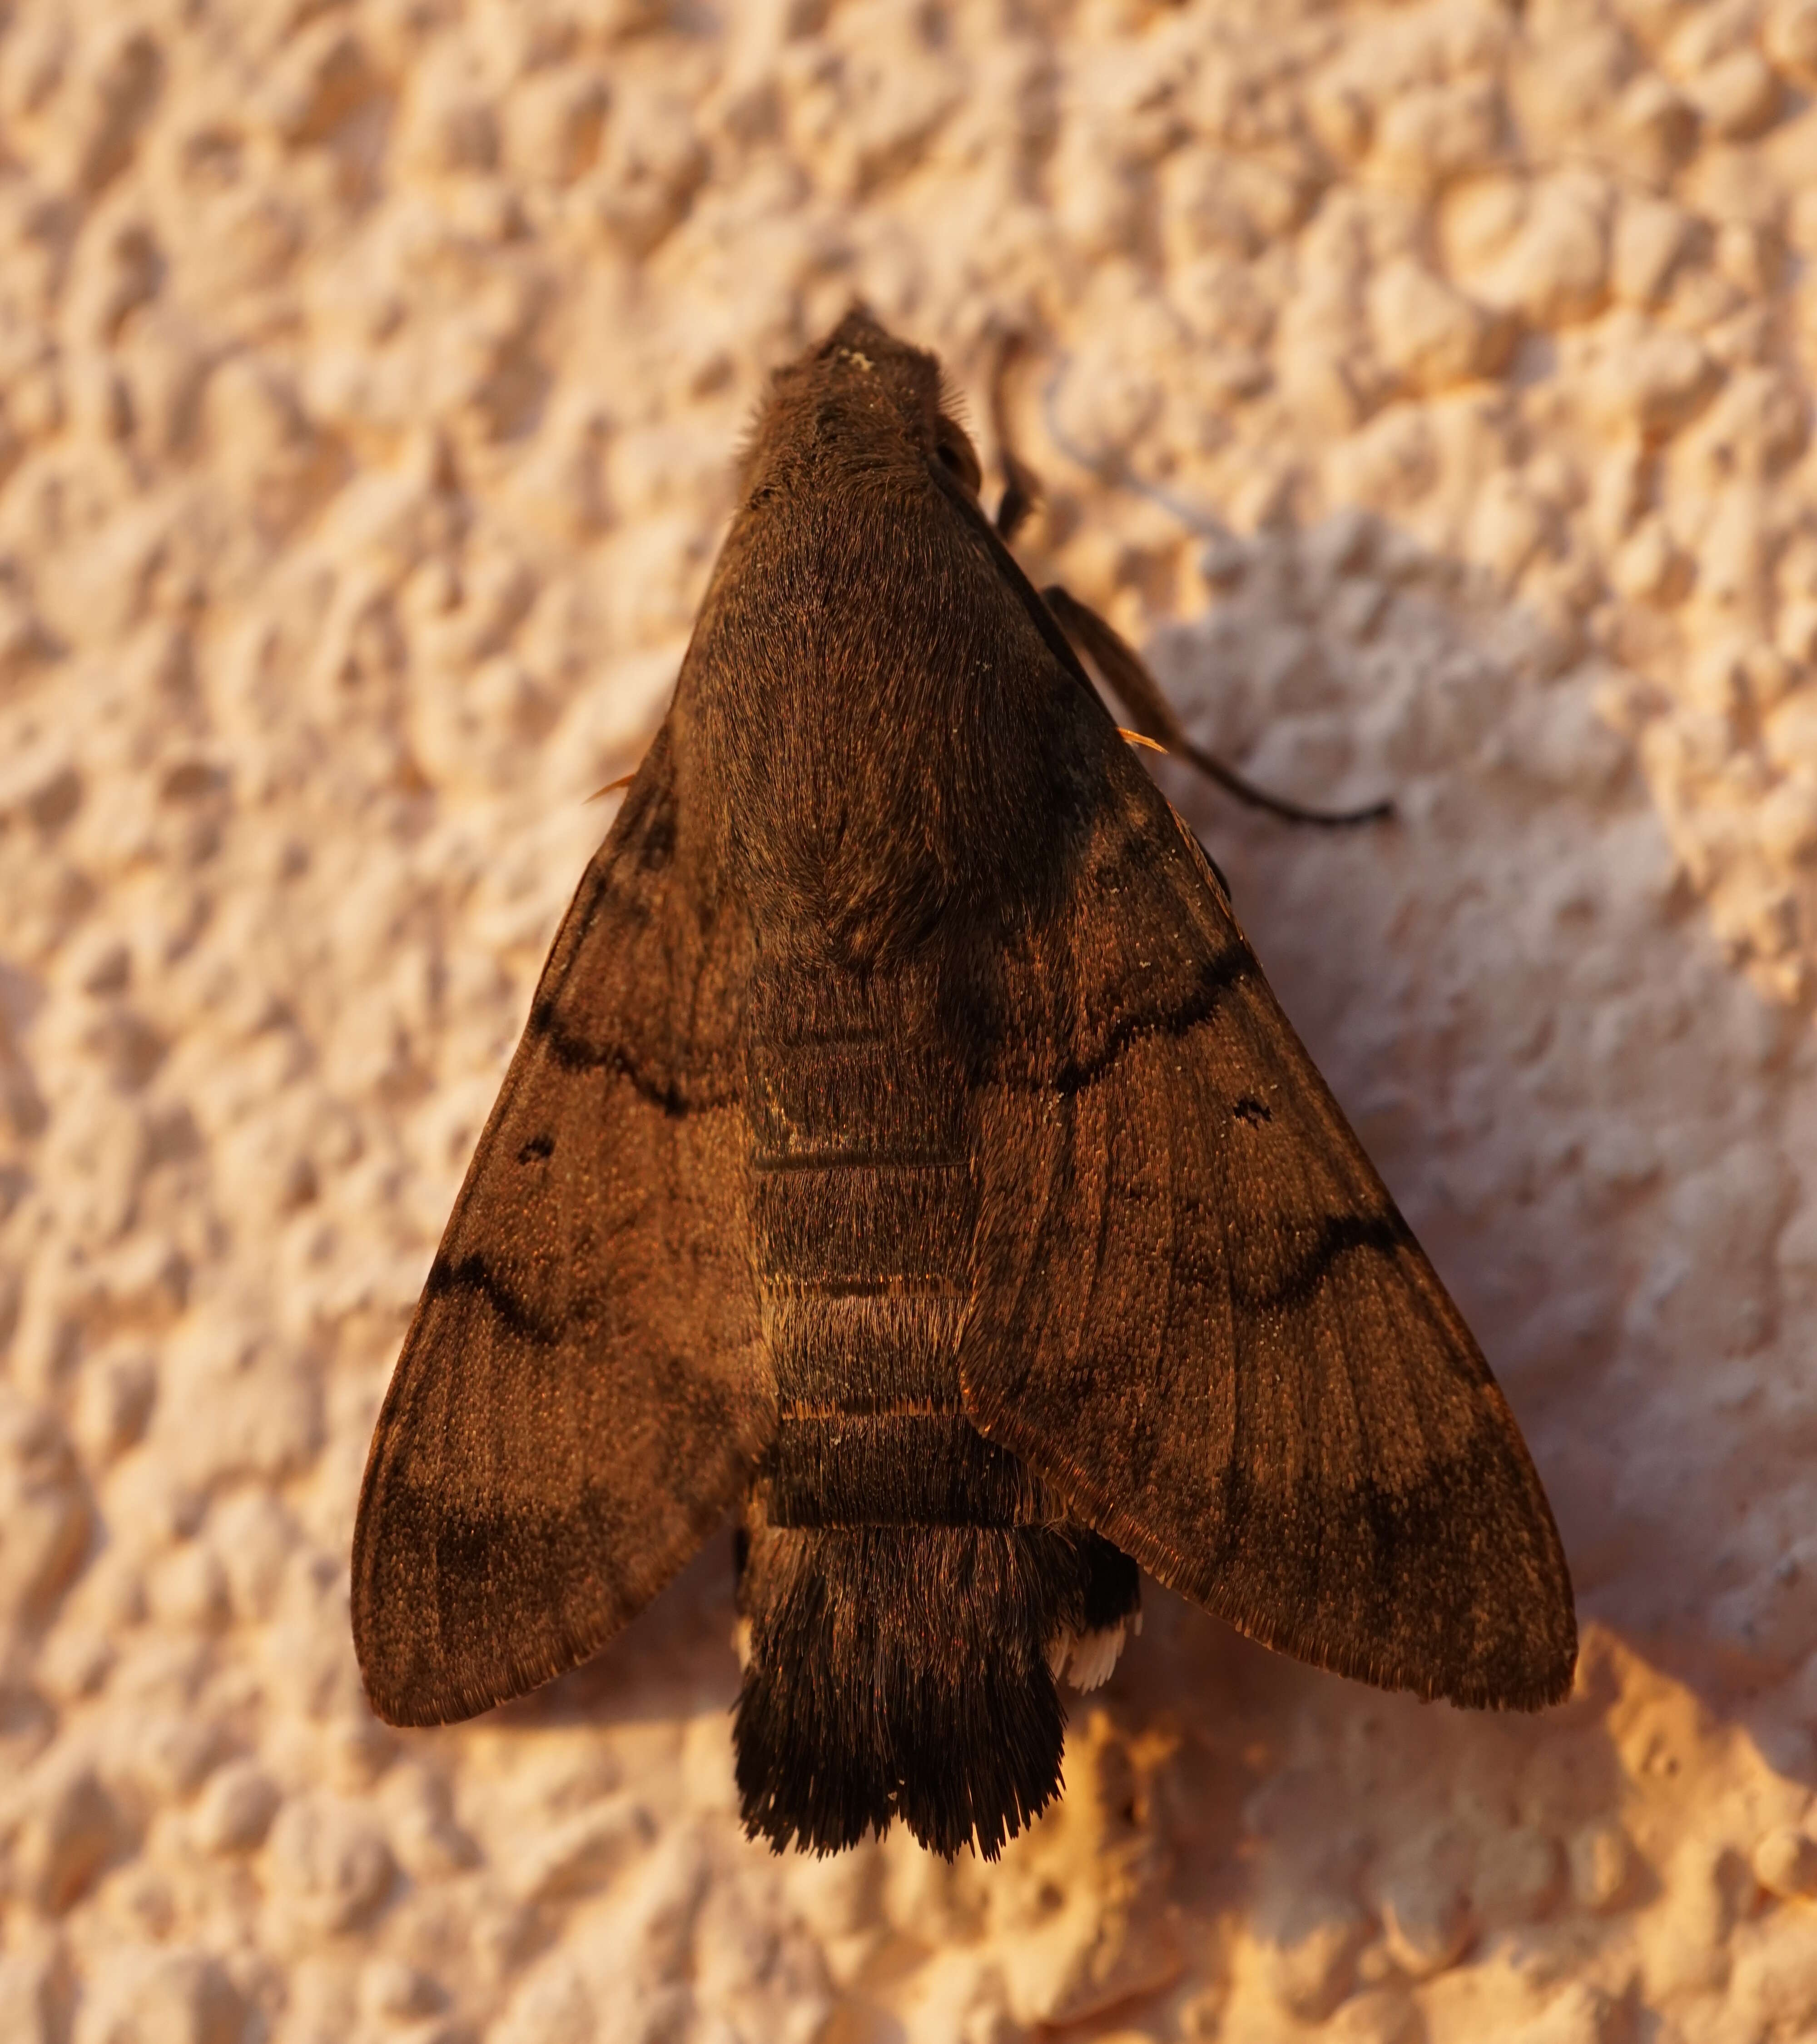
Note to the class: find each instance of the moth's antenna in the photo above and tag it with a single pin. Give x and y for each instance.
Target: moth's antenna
(611, 787)
(1153, 715)
(1021, 486)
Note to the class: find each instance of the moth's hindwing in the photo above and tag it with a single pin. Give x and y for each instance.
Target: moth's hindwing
(582, 1394)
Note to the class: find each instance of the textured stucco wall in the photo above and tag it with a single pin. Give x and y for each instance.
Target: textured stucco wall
(1427, 388)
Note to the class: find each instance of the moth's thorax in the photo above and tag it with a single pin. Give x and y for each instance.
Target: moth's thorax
(863, 684)
(863, 1206)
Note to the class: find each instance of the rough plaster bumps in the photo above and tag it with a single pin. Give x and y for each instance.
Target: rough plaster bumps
(369, 375)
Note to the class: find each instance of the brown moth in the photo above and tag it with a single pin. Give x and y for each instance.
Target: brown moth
(905, 1151)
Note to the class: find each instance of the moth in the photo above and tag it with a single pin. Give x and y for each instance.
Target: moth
(905, 1152)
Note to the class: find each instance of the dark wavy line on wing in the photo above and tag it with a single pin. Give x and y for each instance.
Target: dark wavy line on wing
(575, 1053)
(1230, 968)
(1384, 1233)
(474, 1274)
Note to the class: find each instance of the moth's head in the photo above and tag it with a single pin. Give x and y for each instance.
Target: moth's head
(863, 398)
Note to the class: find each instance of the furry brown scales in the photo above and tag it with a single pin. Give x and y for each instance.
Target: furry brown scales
(900, 1671)
(905, 1143)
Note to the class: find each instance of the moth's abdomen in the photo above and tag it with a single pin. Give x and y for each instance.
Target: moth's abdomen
(862, 1198)
(909, 1589)
(900, 1672)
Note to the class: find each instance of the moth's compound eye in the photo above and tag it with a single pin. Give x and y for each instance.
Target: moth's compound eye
(955, 451)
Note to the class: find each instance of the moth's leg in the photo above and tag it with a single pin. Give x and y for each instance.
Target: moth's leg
(1153, 715)
(1109, 652)
(1021, 486)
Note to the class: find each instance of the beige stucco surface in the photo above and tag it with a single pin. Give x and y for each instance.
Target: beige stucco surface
(1428, 389)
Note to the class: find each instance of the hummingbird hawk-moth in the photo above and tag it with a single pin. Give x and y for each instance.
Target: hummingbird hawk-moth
(906, 1153)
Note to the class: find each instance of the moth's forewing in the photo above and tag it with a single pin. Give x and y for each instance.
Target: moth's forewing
(582, 1394)
(1198, 1313)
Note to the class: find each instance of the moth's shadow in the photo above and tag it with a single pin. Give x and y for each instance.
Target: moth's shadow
(1585, 1110)
(675, 1659)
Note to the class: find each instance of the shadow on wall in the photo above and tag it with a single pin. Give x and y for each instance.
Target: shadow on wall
(1592, 1122)
(1589, 1119)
